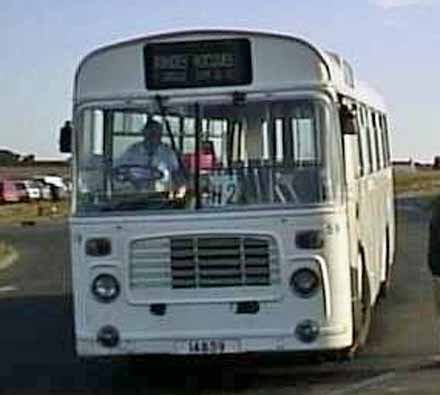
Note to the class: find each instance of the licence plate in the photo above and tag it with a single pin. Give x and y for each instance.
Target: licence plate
(207, 346)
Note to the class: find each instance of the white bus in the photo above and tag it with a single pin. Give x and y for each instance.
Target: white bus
(279, 234)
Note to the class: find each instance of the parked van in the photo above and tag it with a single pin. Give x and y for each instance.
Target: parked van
(32, 190)
(45, 191)
(56, 184)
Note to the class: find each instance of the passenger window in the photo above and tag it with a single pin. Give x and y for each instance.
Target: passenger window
(366, 140)
(381, 139)
(378, 140)
(372, 141)
(386, 146)
(360, 142)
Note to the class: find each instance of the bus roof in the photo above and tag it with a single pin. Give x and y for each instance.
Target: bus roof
(118, 70)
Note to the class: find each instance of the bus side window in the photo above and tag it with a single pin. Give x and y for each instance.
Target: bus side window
(366, 142)
(360, 143)
(387, 131)
(372, 141)
(385, 140)
(378, 140)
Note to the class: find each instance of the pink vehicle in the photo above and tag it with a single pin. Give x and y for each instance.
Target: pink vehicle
(9, 192)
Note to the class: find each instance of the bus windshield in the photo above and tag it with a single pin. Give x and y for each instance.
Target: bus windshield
(207, 156)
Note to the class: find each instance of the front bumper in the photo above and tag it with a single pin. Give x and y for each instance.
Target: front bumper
(330, 338)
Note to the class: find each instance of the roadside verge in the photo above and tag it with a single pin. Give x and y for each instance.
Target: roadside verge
(8, 255)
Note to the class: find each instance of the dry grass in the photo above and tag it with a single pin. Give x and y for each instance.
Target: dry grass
(32, 212)
(422, 182)
(5, 249)
(8, 256)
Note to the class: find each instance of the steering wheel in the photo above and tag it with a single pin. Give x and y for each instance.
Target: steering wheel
(137, 175)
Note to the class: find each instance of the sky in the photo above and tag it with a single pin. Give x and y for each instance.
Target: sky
(392, 44)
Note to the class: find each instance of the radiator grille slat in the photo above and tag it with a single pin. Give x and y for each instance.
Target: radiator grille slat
(220, 261)
(213, 261)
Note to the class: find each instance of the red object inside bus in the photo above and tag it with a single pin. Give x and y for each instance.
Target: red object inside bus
(207, 158)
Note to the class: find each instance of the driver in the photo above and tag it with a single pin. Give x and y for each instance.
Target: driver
(149, 162)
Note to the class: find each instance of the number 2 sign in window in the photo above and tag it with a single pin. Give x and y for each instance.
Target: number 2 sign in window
(223, 189)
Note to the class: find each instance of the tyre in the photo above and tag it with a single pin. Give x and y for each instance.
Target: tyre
(362, 331)
(385, 285)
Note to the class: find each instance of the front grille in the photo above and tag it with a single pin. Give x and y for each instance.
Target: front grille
(204, 262)
(219, 262)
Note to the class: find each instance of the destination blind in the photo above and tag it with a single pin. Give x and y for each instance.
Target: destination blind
(195, 64)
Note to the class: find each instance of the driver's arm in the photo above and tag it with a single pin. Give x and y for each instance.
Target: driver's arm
(175, 168)
(129, 157)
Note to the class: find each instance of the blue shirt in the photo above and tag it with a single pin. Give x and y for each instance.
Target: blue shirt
(149, 164)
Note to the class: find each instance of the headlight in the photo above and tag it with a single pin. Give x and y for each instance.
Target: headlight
(105, 288)
(305, 282)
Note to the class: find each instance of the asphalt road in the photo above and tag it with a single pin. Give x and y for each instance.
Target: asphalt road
(36, 337)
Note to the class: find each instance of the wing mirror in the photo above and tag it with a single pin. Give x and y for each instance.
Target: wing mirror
(65, 141)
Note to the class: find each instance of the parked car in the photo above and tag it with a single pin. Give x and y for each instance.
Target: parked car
(45, 191)
(32, 190)
(9, 192)
(21, 190)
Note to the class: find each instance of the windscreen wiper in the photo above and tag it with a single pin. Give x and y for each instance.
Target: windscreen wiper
(159, 102)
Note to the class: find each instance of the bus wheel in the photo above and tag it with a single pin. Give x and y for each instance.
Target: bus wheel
(361, 310)
(386, 283)
(361, 317)
(363, 327)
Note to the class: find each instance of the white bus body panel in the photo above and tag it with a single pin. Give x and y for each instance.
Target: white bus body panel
(118, 71)
(210, 314)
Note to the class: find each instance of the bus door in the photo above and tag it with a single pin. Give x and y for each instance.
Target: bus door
(349, 129)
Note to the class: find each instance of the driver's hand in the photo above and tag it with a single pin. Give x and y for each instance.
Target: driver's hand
(120, 173)
(138, 172)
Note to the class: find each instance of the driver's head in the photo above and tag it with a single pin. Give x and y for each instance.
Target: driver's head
(152, 132)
